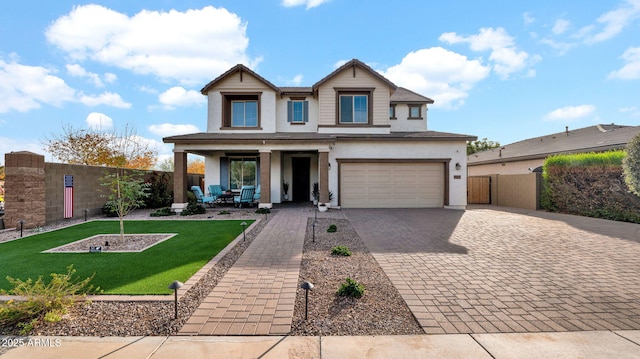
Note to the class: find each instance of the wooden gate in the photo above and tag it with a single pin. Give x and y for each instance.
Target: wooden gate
(479, 190)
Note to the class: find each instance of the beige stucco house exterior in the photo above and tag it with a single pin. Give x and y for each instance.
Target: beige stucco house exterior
(360, 137)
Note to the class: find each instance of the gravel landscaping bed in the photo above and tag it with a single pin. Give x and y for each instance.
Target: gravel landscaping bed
(379, 311)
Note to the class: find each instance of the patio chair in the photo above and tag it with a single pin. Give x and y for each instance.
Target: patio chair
(246, 196)
(256, 196)
(215, 191)
(200, 197)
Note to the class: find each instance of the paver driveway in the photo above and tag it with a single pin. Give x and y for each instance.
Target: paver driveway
(490, 270)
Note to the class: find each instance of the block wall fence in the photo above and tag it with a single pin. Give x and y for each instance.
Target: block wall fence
(34, 189)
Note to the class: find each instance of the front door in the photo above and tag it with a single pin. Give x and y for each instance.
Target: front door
(300, 181)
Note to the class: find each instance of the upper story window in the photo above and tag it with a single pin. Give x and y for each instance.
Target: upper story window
(354, 106)
(297, 111)
(415, 111)
(244, 113)
(354, 109)
(240, 110)
(392, 112)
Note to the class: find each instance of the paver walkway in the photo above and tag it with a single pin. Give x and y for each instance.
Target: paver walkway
(495, 270)
(257, 295)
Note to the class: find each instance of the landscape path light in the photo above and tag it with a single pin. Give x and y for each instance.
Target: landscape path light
(85, 214)
(21, 225)
(244, 226)
(313, 225)
(175, 285)
(307, 286)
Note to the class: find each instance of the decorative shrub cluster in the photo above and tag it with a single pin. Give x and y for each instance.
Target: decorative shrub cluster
(223, 213)
(109, 209)
(44, 302)
(351, 288)
(263, 210)
(589, 184)
(193, 208)
(332, 228)
(341, 251)
(165, 211)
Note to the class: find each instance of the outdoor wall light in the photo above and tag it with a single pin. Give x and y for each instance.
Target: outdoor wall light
(244, 225)
(175, 285)
(307, 286)
(458, 166)
(21, 225)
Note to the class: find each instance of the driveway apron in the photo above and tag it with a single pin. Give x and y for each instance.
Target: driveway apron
(488, 270)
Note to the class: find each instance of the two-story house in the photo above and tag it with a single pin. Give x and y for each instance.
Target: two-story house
(360, 137)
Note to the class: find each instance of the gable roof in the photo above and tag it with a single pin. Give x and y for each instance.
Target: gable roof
(238, 68)
(588, 139)
(403, 95)
(355, 63)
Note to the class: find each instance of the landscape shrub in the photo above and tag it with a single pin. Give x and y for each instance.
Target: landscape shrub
(341, 251)
(165, 211)
(589, 184)
(193, 208)
(44, 301)
(332, 228)
(159, 193)
(351, 288)
(109, 209)
(263, 210)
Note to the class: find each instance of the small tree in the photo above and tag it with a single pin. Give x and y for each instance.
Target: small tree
(480, 145)
(631, 165)
(126, 191)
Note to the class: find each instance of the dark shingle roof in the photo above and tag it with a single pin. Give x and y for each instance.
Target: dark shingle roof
(588, 139)
(353, 64)
(403, 95)
(237, 68)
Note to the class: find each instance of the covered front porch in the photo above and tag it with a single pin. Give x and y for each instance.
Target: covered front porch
(272, 164)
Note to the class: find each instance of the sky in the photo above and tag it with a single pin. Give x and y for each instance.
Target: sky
(502, 70)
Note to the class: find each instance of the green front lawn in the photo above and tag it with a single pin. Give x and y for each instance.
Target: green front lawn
(147, 272)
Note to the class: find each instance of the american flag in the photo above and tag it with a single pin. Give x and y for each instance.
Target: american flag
(68, 196)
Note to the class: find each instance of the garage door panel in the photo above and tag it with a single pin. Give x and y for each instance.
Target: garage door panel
(392, 185)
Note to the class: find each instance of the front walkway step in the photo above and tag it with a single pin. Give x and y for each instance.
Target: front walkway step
(258, 293)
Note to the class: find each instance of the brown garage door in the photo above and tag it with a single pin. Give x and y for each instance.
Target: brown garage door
(391, 185)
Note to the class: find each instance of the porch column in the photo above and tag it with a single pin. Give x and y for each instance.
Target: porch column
(265, 179)
(323, 163)
(179, 178)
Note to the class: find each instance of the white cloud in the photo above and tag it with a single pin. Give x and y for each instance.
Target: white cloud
(308, 3)
(612, 22)
(631, 111)
(560, 26)
(631, 68)
(110, 77)
(78, 71)
(178, 96)
(169, 129)
(504, 55)
(570, 112)
(23, 87)
(527, 18)
(105, 98)
(173, 45)
(562, 47)
(340, 63)
(99, 121)
(297, 79)
(443, 75)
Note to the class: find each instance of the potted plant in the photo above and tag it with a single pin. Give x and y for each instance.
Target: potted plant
(322, 207)
(285, 189)
(315, 193)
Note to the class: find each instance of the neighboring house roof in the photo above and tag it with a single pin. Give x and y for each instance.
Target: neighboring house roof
(403, 95)
(354, 64)
(588, 139)
(238, 68)
(235, 138)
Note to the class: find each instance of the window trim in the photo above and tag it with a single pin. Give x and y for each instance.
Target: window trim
(228, 98)
(305, 110)
(419, 107)
(350, 91)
